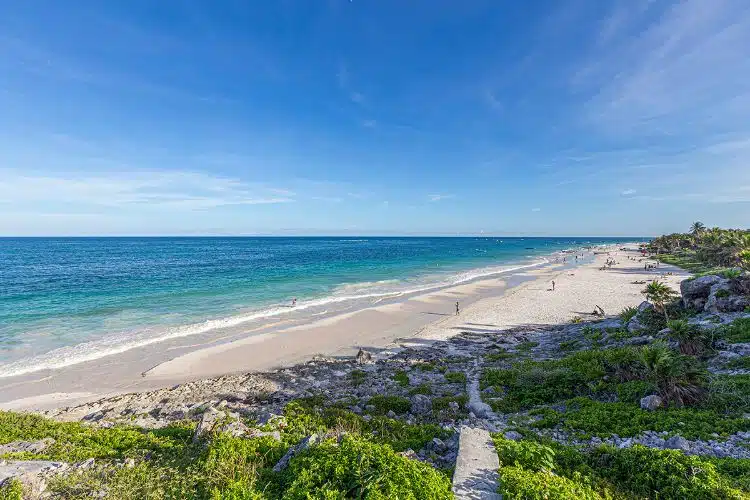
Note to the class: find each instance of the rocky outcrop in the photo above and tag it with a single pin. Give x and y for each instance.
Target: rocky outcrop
(695, 292)
(723, 298)
(652, 402)
(364, 357)
(26, 446)
(421, 405)
(33, 474)
(636, 323)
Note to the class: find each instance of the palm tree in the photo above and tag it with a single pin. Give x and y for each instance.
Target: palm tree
(659, 294)
(697, 227)
(678, 379)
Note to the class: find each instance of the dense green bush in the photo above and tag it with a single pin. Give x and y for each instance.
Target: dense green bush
(737, 331)
(628, 419)
(549, 470)
(729, 394)
(384, 404)
(401, 378)
(530, 383)
(75, 441)
(356, 468)
(456, 377)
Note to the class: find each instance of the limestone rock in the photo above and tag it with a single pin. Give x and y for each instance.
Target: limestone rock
(652, 402)
(723, 298)
(294, 450)
(695, 292)
(513, 436)
(421, 404)
(208, 421)
(26, 446)
(677, 443)
(636, 322)
(364, 357)
(32, 474)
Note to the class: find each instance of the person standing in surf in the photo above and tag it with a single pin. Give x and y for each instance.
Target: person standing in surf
(457, 309)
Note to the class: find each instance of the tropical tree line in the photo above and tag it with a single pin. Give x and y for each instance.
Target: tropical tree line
(715, 246)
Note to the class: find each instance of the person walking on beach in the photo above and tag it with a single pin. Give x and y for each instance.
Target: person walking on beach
(553, 285)
(457, 309)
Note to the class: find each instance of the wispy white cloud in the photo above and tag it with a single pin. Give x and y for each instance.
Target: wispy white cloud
(628, 192)
(536, 209)
(154, 189)
(369, 123)
(439, 197)
(687, 68)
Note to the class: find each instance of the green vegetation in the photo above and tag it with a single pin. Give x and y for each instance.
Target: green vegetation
(425, 366)
(628, 313)
(660, 295)
(544, 469)
(593, 418)
(499, 355)
(456, 377)
(442, 404)
(12, 490)
(358, 377)
(384, 404)
(76, 442)
(569, 345)
(737, 331)
(531, 383)
(705, 250)
(742, 363)
(421, 389)
(526, 346)
(729, 394)
(692, 340)
(401, 378)
(678, 379)
(169, 465)
(356, 468)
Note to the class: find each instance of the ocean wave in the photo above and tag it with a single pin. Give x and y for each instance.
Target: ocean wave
(119, 343)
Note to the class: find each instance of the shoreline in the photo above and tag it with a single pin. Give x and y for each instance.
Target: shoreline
(503, 302)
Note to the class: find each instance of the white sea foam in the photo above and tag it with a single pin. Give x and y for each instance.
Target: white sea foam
(119, 343)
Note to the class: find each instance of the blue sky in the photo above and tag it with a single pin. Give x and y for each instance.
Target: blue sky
(373, 116)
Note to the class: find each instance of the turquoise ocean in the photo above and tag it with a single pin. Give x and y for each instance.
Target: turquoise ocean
(68, 300)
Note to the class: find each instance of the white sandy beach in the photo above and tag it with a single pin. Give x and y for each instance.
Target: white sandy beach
(490, 305)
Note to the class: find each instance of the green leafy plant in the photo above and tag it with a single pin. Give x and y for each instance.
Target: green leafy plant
(455, 377)
(659, 294)
(692, 340)
(401, 378)
(384, 404)
(737, 331)
(358, 377)
(628, 313)
(677, 378)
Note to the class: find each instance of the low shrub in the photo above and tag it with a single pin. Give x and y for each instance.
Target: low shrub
(358, 376)
(628, 419)
(423, 389)
(530, 383)
(692, 340)
(456, 377)
(729, 394)
(384, 404)
(356, 468)
(548, 470)
(627, 313)
(401, 378)
(737, 331)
